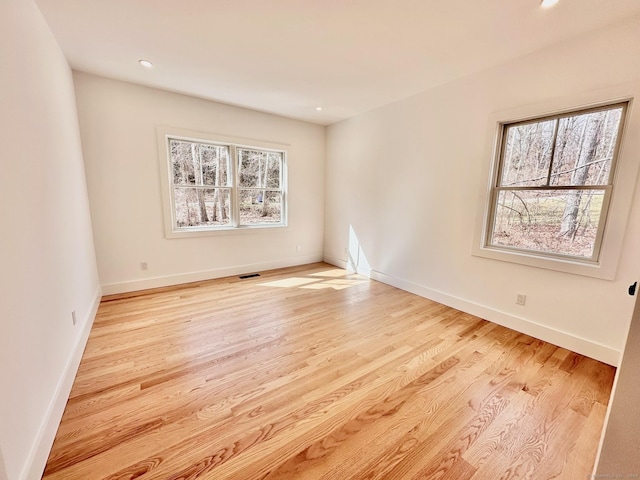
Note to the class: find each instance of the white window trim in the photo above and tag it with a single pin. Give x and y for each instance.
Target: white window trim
(164, 133)
(621, 200)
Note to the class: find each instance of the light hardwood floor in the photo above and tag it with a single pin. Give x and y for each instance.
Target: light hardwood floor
(312, 373)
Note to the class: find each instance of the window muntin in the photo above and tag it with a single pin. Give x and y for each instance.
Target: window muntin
(220, 186)
(554, 183)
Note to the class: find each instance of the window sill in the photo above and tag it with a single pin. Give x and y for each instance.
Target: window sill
(567, 265)
(224, 231)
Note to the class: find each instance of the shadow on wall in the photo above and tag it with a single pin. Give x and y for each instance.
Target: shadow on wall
(356, 259)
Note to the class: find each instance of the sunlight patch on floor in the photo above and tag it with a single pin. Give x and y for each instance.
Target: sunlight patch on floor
(336, 279)
(336, 272)
(338, 284)
(289, 282)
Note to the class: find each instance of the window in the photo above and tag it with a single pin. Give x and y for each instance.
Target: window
(558, 181)
(212, 185)
(553, 184)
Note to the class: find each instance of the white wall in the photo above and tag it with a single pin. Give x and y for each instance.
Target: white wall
(48, 266)
(118, 127)
(406, 177)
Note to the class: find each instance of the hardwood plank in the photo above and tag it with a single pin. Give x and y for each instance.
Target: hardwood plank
(312, 372)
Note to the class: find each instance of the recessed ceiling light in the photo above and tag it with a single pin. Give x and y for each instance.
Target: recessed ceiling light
(319, 109)
(548, 3)
(145, 63)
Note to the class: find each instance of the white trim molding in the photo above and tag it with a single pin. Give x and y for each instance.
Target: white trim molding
(562, 339)
(625, 182)
(39, 454)
(566, 340)
(169, 280)
(166, 134)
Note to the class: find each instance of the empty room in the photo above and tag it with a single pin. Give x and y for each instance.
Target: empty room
(304, 239)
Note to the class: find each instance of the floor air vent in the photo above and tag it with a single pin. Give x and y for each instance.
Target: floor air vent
(250, 275)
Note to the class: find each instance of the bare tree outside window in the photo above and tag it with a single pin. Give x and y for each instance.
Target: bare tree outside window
(554, 182)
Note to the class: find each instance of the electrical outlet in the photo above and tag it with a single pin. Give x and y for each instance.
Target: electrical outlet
(298, 248)
(144, 266)
(73, 317)
(521, 299)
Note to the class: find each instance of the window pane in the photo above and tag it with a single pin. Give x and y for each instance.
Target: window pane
(199, 163)
(556, 221)
(215, 165)
(259, 206)
(202, 206)
(259, 169)
(585, 148)
(273, 177)
(527, 154)
(182, 162)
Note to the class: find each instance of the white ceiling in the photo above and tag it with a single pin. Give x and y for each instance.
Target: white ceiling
(290, 56)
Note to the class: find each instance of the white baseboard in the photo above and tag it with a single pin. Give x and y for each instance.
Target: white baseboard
(42, 446)
(39, 454)
(338, 262)
(168, 280)
(566, 340)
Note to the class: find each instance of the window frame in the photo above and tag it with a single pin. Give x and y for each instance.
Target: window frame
(172, 230)
(618, 203)
(608, 187)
